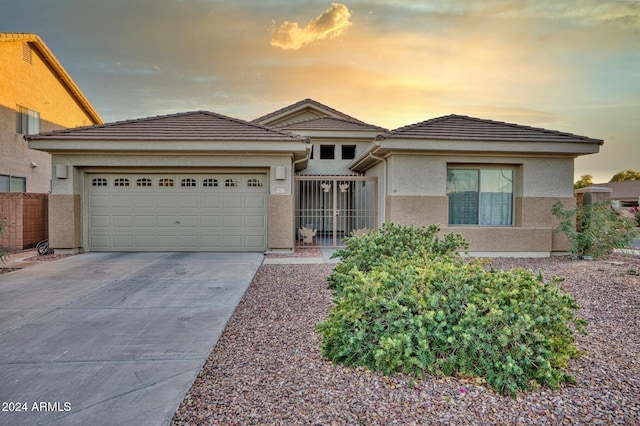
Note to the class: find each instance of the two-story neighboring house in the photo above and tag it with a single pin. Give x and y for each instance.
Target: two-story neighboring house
(303, 175)
(36, 95)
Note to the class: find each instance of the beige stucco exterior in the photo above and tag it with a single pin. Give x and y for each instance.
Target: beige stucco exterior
(43, 86)
(415, 193)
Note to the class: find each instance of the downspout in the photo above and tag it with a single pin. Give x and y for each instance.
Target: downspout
(384, 182)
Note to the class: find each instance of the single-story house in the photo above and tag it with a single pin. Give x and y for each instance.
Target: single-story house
(623, 194)
(306, 174)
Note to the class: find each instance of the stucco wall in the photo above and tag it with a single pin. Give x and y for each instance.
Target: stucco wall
(337, 166)
(280, 222)
(416, 194)
(35, 87)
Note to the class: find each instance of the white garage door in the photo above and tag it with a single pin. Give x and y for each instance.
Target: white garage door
(177, 212)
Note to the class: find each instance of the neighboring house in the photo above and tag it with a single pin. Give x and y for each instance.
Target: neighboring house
(36, 95)
(623, 194)
(305, 174)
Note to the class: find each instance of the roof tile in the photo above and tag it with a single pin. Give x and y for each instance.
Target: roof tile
(462, 127)
(193, 125)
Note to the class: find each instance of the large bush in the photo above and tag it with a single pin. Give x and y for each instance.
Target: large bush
(593, 229)
(424, 313)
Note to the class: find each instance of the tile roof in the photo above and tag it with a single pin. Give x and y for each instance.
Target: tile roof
(622, 190)
(193, 125)
(57, 68)
(330, 124)
(462, 127)
(306, 102)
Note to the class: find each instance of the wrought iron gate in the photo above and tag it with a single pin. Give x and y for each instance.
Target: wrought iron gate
(329, 208)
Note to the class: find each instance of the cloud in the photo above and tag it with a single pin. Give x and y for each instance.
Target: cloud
(331, 23)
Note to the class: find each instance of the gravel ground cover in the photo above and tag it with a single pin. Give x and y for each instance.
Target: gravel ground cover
(266, 368)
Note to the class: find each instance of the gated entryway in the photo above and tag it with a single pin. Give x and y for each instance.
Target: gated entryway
(329, 208)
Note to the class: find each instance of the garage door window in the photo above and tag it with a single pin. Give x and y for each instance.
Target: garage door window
(165, 182)
(144, 182)
(188, 182)
(210, 183)
(121, 182)
(99, 182)
(230, 183)
(254, 183)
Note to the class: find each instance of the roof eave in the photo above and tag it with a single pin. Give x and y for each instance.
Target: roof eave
(384, 147)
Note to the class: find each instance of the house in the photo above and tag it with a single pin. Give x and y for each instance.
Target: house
(36, 95)
(623, 194)
(305, 174)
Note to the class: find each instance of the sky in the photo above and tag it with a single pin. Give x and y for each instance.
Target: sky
(567, 65)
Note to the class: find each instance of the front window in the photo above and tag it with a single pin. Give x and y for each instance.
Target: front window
(480, 196)
(27, 121)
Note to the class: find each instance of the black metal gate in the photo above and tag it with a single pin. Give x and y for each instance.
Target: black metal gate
(329, 208)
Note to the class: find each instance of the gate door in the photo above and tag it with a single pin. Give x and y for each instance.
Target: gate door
(329, 208)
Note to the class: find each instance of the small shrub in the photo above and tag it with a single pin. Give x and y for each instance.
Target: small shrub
(593, 229)
(3, 252)
(425, 312)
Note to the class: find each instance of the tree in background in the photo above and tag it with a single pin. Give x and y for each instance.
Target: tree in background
(625, 175)
(585, 180)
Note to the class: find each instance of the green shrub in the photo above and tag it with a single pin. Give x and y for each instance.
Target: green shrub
(593, 229)
(3, 252)
(442, 315)
(391, 243)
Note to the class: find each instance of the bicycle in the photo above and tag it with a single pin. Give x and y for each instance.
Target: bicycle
(43, 248)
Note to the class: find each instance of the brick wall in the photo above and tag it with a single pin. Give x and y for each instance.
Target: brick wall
(25, 216)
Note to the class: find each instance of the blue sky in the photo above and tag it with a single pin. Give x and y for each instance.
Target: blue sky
(569, 65)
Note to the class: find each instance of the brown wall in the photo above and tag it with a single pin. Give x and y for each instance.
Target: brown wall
(25, 217)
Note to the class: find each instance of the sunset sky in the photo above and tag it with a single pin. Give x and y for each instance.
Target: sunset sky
(569, 65)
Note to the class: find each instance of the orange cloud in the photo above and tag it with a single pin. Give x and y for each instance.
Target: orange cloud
(334, 20)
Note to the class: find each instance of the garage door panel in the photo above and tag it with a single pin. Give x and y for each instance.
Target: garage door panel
(199, 212)
(230, 202)
(210, 201)
(143, 201)
(232, 221)
(255, 202)
(144, 221)
(99, 241)
(210, 221)
(189, 221)
(100, 221)
(254, 241)
(119, 221)
(233, 241)
(125, 241)
(166, 201)
(188, 202)
(254, 222)
(166, 221)
(120, 201)
(97, 201)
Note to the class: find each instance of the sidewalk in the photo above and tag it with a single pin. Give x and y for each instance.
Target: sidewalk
(302, 256)
(19, 260)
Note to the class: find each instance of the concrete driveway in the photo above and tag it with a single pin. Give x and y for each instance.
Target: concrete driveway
(112, 338)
